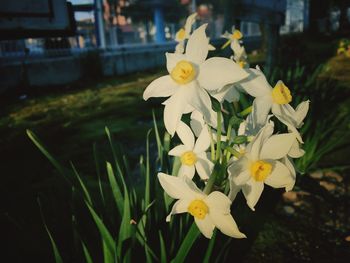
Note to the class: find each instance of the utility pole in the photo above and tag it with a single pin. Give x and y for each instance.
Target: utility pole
(99, 24)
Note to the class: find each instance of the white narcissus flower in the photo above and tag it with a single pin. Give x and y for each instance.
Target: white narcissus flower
(209, 211)
(184, 33)
(276, 99)
(235, 36)
(239, 54)
(192, 154)
(190, 77)
(228, 93)
(260, 164)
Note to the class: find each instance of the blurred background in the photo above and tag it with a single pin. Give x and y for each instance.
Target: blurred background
(68, 69)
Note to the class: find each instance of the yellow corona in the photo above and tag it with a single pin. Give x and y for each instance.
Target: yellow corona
(260, 170)
(198, 209)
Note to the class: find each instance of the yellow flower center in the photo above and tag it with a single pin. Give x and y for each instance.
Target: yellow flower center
(236, 35)
(184, 72)
(188, 158)
(198, 209)
(281, 93)
(242, 63)
(180, 35)
(260, 170)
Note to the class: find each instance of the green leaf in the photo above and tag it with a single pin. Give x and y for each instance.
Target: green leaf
(85, 191)
(41, 147)
(125, 226)
(58, 258)
(86, 253)
(186, 244)
(105, 234)
(118, 198)
(98, 172)
(215, 104)
(162, 248)
(159, 142)
(209, 250)
(57, 255)
(147, 185)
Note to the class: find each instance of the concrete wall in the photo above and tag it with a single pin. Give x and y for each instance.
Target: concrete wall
(46, 71)
(70, 66)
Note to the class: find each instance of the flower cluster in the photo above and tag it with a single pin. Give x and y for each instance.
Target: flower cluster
(229, 150)
(344, 48)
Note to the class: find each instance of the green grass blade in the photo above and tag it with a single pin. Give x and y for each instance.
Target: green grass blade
(58, 258)
(147, 185)
(210, 248)
(86, 253)
(186, 244)
(105, 234)
(41, 147)
(57, 255)
(125, 226)
(118, 198)
(158, 140)
(98, 172)
(162, 248)
(85, 191)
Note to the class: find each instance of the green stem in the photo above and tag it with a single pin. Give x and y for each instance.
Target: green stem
(212, 147)
(218, 138)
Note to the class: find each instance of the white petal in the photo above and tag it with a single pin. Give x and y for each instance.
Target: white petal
(290, 165)
(285, 113)
(186, 135)
(254, 147)
(218, 201)
(234, 189)
(197, 46)
(189, 22)
(204, 168)
(228, 71)
(238, 167)
(172, 59)
(177, 187)
(256, 84)
(301, 111)
(252, 192)
(228, 93)
(280, 176)
(197, 122)
(206, 226)
(261, 108)
(178, 150)
(226, 224)
(295, 151)
(242, 178)
(180, 206)
(277, 146)
(187, 171)
(203, 141)
(160, 87)
(173, 110)
(200, 100)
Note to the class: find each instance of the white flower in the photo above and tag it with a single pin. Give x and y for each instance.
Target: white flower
(235, 36)
(209, 211)
(228, 93)
(293, 119)
(276, 99)
(190, 75)
(260, 164)
(239, 54)
(184, 33)
(192, 155)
